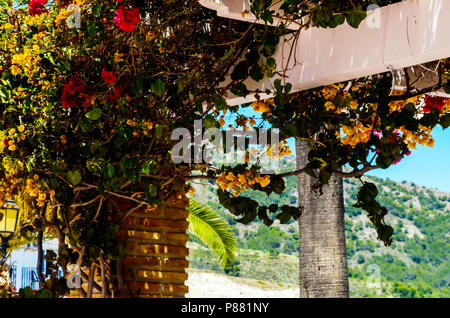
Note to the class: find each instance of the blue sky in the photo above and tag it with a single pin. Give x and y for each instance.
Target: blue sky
(429, 167)
(426, 166)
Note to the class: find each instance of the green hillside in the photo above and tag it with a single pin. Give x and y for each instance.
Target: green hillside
(415, 265)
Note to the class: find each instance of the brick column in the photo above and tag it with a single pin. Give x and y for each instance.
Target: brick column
(155, 262)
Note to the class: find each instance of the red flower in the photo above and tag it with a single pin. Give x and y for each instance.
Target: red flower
(436, 102)
(394, 137)
(118, 94)
(108, 77)
(126, 20)
(36, 7)
(72, 91)
(6, 142)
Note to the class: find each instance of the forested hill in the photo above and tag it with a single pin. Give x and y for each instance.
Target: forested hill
(415, 265)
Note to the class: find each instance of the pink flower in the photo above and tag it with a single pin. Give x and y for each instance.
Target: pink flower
(119, 92)
(36, 7)
(108, 77)
(126, 20)
(72, 91)
(436, 102)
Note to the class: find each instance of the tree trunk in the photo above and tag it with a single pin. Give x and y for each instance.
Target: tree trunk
(323, 259)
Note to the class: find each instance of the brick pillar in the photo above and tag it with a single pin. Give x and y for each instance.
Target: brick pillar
(155, 258)
(155, 262)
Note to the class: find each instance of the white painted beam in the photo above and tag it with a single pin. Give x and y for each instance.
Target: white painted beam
(400, 35)
(233, 9)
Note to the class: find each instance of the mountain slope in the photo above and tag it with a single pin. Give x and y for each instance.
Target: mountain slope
(415, 265)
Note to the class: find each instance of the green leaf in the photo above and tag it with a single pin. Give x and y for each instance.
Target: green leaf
(214, 231)
(288, 88)
(139, 85)
(126, 163)
(159, 131)
(267, 16)
(355, 17)
(158, 87)
(271, 62)
(110, 171)
(277, 84)
(220, 102)
(152, 190)
(210, 122)
(445, 121)
(240, 71)
(74, 177)
(256, 73)
(447, 88)
(94, 114)
(271, 40)
(228, 54)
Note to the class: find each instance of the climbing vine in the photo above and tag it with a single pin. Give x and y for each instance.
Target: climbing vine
(87, 113)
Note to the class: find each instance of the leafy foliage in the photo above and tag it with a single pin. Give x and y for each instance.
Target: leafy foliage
(86, 113)
(212, 230)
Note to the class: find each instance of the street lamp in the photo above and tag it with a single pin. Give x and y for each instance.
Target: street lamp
(9, 214)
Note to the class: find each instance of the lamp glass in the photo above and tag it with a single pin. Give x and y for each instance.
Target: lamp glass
(8, 222)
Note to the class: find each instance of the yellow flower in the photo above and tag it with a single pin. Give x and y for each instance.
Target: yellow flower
(347, 130)
(353, 104)
(12, 148)
(150, 36)
(260, 106)
(117, 57)
(7, 26)
(264, 181)
(191, 191)
(21, 128)
(12, 131)
(221, 121)
(230, 176)
(15, 70)
(329, 106)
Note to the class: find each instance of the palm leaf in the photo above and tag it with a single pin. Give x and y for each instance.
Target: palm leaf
(213, 230)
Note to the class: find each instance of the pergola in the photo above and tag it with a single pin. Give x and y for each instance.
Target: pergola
(391, 38)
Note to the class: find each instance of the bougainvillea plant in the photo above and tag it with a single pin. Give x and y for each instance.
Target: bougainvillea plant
(87, 114)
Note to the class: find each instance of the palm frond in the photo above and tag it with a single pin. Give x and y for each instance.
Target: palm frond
(213, 230)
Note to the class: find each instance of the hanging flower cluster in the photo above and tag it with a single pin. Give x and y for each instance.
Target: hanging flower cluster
(434, 102)
(127, 20)
(37, 7)
(74, 92)
(241, 182)
(108, 77)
